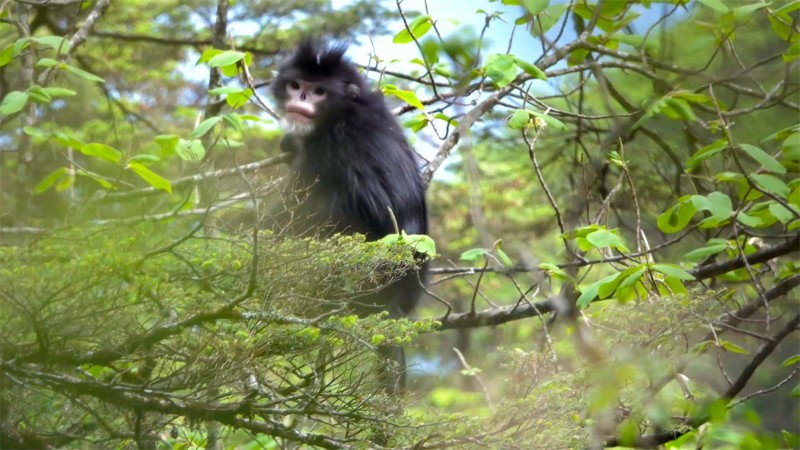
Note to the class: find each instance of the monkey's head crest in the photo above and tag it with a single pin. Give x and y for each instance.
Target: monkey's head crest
(319, 58)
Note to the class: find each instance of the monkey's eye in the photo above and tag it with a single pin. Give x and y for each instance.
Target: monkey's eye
(319, 91)
(294, 85)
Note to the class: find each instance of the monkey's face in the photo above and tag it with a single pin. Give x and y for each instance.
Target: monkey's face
(304, 101)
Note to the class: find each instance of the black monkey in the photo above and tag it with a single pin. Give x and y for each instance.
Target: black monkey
(351, 155)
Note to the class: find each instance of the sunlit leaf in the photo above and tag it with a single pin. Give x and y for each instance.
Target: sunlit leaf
(101, 151)
(225, 58)
(50, 180)
(672, 270)
(419, 26)
(152, 178)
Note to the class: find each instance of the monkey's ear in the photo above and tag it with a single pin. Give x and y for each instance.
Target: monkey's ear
(352, 90)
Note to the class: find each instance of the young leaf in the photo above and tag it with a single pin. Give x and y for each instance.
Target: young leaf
(419, 26)
(605, 238)
(473, 254)
(205, 126)
(676, 218)
(501, 69)
(421, 243)
(406, 96)
(519, 120)
(672, 270)
(14, 102)
(535, 6)
(59, 92)
(717, 5)
(226, 59)
(50, 180)
(82, 73)
(190, 150)
(530, 69)
(704, 252)
(152, 178)
(59, 43)
(102, 151)
(550, 120)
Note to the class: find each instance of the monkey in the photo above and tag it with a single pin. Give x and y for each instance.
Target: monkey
(350, 153)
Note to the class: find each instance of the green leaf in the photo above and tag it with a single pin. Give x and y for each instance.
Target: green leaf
(144, 159)
(378, 339)
(406, 96)
(672, 270)
(152, 178)
(473, 254)
(13, 103)
(50, 180)
(746, 10)
(676, 218)
(678, 109)
(535, 6)
(417, 122)
(519, 119)
(59, 92)
(704, 252)
(501, 69)
(419, 26)
(226, 58)
(767, 161)
(530, 69)
(607, 288)
(590, 293)
(96, 178)
(792, 360)
(731, 347)
(190, 150)
(46, 62)
(102, 151)
(82, 73)
(234, 121)
(38, 94)
(59, 43)
(225, 90)
(503, 257)
(421, 243)
(606, 238)
(717, 203)
(631, 275)
(771, 184)
(547, 19)
(750, 221)
(780, 212)
(205, 126)
(35, 132)
(791, 147)
(68, 140)
(716, 5)
(6, 56)
(549, 120)
(554, 271)
(704, 153)
(239, 99)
